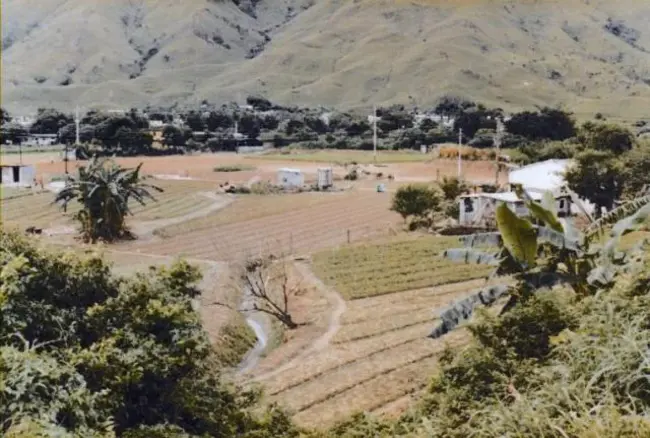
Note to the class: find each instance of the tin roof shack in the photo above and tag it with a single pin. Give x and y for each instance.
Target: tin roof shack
(17, 175)
(479, 209)
(289, 178)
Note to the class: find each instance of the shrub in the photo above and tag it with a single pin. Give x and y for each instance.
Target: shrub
(452, 187)
(352, 175)
(418, 200)
(233, 168)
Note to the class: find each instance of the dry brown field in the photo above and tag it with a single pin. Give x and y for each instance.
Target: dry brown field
(367, 354)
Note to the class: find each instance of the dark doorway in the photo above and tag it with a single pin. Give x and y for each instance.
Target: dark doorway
(16, 170)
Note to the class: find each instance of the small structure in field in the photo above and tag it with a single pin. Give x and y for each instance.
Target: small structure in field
(18, 175)
(41, 140)
(290, 178)
(478, 209)
(325, 177)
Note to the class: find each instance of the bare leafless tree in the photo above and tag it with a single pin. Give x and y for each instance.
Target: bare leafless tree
(268, 289)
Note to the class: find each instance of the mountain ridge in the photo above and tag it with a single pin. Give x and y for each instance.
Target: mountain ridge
(588, 56)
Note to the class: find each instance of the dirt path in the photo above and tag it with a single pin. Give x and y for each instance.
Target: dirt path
(333, 327)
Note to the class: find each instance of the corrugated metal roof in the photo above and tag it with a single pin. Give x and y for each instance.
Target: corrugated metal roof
(545, 175)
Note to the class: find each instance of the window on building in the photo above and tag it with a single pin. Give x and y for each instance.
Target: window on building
(469, 205)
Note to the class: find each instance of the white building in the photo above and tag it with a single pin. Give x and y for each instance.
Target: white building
(540, 177)
(17, 175)
(479, 209)
(290, 177)
(325, 178)
(41, 140)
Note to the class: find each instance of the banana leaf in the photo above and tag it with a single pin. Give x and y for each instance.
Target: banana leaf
(519, 236)
(462, 310)
(481, 239)
(471, 256)
(557, 239)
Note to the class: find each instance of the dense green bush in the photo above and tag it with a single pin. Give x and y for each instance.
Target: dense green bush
(84, 353)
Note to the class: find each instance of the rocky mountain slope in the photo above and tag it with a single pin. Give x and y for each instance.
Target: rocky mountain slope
(589, 55)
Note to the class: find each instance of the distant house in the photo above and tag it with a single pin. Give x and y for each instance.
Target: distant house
(41, 140)
(17, 175)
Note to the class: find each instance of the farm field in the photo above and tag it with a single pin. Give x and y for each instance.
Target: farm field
(361, 271)
(297, 230)
(379, 357)
(27, 207)
(346, 156)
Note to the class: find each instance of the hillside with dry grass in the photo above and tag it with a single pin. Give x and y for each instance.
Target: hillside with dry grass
(590, 56)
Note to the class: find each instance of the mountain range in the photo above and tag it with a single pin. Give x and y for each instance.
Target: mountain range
(588, 56)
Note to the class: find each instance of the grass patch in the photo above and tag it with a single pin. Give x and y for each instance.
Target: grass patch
(345, 156)
(234, 341)
(362, 271)
(234, 168)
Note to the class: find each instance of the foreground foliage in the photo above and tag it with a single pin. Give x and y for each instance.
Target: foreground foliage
(84, 354)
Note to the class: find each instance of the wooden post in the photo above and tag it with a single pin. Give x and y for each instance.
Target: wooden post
(348, 236)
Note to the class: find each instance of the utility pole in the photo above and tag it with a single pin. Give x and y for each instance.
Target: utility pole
(374, 132)
(498, 138)
(460, 145)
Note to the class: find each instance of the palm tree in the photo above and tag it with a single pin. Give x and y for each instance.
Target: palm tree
(104, 190)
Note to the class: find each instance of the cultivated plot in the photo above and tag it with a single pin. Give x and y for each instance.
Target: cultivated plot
(402, 264)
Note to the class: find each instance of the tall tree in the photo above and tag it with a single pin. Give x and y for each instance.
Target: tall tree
(103, 190)
(49, 121)
(597, 176)
(548, 123)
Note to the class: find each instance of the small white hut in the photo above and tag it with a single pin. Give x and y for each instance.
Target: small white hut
(290, 177)
(17, 175)
(325, 178)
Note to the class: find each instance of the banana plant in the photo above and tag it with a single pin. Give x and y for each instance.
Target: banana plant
(542, 251)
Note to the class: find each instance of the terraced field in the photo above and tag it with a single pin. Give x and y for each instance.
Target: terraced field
(34, 207)
(379, 358)
(403, 264)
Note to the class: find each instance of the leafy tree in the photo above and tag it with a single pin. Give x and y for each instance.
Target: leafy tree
(13, 132)
(452, 187)
(393, 118)
(259, 103)
(219, 119)
(249, 124)
(607, 137)
(87, 354)
(174, 136)
(68, 133)
(5, 117)
(133, 142)
(269, 122)
(427, 125)
(194, 120)
(49, 121)
(548, 123)
(598, 176)
(418, 200)
(104, 189)
(636, 176)
(452, 106)
(410, 138)
(471, 121)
